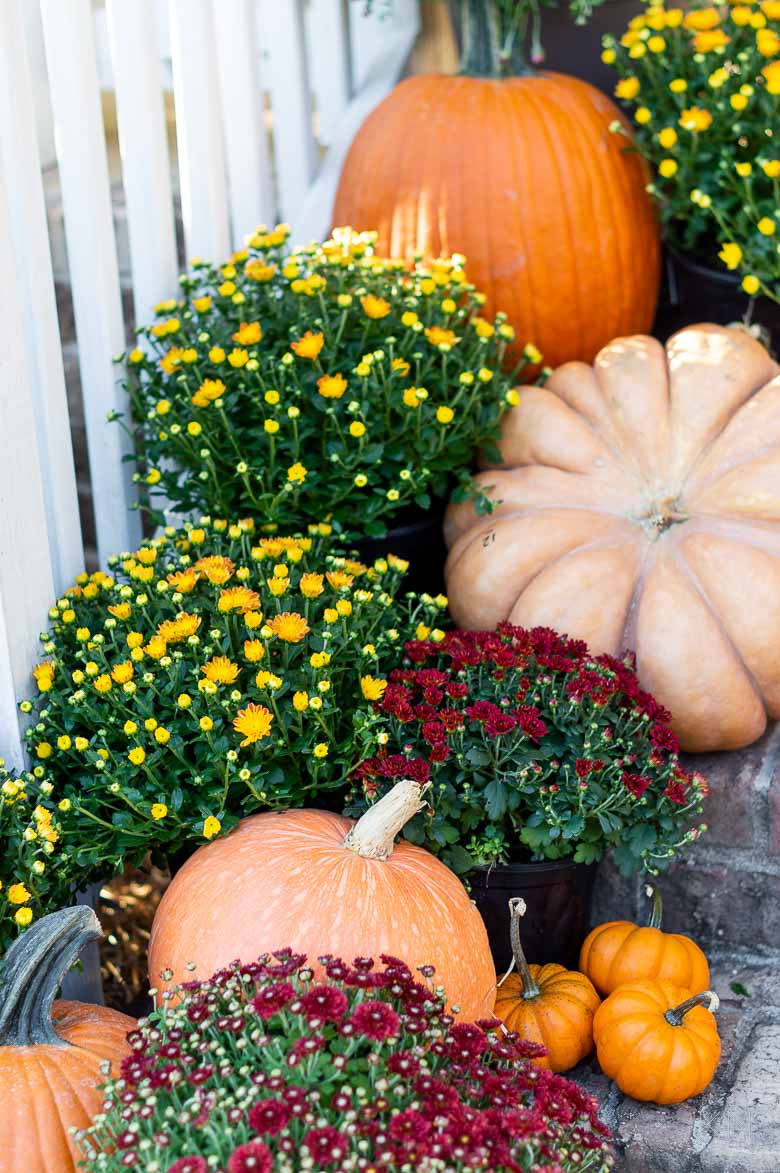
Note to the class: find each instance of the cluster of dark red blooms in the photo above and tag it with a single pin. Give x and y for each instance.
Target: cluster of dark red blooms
(440, 701)
(359, 1069)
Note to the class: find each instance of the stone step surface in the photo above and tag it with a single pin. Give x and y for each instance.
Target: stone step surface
(734, 1127)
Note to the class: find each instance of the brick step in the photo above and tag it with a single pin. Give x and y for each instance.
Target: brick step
(734, 1127)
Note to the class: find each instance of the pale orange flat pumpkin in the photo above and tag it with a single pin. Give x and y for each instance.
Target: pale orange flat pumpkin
(640, 508)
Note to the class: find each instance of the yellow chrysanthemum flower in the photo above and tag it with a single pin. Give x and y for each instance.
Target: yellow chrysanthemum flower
(254, 723)
(289, 626)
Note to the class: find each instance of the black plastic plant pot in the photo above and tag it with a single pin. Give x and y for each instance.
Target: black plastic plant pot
(557, 894)
(416, 536)
(693, 292)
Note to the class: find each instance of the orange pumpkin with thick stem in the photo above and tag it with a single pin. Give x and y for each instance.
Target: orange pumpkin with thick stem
(657, 1041)
(325, 885)
(639, 507)
(620, 951)
(547, 1004)
(524, 176)
(50, 1052)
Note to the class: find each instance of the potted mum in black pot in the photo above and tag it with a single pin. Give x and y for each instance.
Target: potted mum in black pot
(541, 759)
(703, 87)
(321, 383)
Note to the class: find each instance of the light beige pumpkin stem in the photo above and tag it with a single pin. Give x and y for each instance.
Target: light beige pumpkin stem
(373, 835)
(516, 911)
(708, 998)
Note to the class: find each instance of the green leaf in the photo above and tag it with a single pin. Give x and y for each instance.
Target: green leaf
(495, 799)
(738, 988)
(459, 859)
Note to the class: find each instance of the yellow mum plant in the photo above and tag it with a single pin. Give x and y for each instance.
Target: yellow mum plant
(704, 84)
(32, 880)
(213, 672)
(316, 382)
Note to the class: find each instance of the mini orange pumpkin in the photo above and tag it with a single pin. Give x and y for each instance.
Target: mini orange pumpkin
(547, 1004)
(657, 1041)
(620, 951)
(322, 884)
(50, 1052)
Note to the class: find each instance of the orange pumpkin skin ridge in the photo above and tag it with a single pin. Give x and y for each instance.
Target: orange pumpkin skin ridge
(649, 1059)
(515, 174)
(284, 879)
(618, 952)
(640, 508)
(63, 1081)
(560, 1018)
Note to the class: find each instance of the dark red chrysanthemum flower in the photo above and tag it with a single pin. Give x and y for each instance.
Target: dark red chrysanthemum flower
(324, 1003)
(190, 1165)
(664, 738)
(274, 998)
(326, 1145)
(375, 1020)
(410, 1126)
(676, 793)
(637, 784)
(268, 1116)
(254, 1157)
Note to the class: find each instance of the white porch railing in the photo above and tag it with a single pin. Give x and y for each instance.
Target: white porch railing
(268, 95)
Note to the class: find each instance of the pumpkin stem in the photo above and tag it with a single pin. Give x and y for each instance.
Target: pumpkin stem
(489, 36)
(676, 1015)
(516, 911)
(373, 835)
(657, 911)
(32, 971)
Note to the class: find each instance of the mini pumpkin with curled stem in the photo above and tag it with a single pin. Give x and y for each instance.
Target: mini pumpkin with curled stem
(657, 1041)
(547, 1004)
(620, 951)
(51, 1053)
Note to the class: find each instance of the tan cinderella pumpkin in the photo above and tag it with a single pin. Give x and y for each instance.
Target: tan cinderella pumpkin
(640, 507)
(322, 884)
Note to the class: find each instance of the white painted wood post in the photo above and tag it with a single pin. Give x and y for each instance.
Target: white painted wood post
(330, 63)
(26, 583)
(146, 168)
(315, 214)
(89, 231)
(197, 97)
(250, 179)
(283, 38)
(40, 338)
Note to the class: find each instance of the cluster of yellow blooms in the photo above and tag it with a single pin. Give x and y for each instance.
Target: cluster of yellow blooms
(30, 879)
(213, 671)
(288, 382)
(705, 83)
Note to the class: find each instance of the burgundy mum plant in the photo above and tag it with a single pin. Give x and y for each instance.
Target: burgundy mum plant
(261, 1068)
(535, 749)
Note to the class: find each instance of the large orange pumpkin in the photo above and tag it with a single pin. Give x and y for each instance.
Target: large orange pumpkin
(547, 1004)
(50, 1052)
(657, 1041)
(619, 951)
(524, 176)
(323, 885)
(639, 506)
